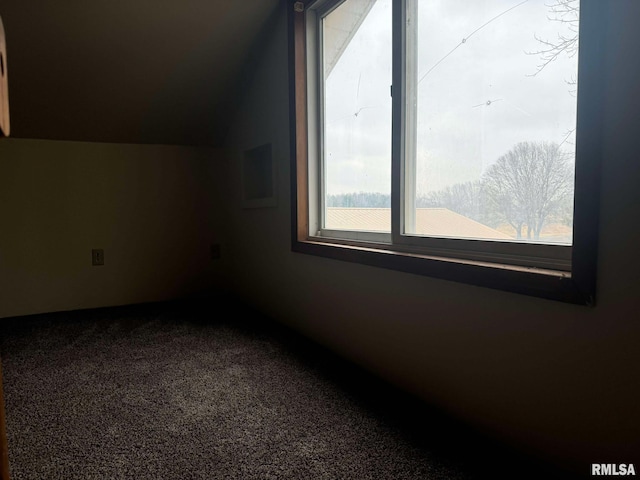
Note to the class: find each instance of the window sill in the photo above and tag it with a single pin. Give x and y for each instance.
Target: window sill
(543, 283)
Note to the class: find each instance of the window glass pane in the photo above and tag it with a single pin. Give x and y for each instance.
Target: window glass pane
(356, 70)
(491, 119)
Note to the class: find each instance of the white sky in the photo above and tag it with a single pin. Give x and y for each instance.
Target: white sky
(459, 136)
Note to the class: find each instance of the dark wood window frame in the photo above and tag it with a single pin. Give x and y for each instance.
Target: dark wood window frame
(577, 286)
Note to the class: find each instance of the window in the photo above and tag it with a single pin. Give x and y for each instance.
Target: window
(455, 139)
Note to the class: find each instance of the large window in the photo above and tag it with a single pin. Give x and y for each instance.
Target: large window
(452, 138)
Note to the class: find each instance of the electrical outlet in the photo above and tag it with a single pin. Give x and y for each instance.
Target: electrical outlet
(215, 251)
(97, 257)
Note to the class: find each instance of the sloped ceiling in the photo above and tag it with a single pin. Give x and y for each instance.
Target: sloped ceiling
(128, 71)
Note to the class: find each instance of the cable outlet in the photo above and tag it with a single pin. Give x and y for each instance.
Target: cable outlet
(97, 257)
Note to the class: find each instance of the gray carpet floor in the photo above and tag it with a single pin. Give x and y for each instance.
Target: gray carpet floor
(170, 391)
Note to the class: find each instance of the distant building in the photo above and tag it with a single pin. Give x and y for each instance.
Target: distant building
(437, 222)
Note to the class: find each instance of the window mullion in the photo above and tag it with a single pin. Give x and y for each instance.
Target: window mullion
(409, 134)
(403, 188)
(398, 114)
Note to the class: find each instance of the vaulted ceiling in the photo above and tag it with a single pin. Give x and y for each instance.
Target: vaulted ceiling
(128, 71)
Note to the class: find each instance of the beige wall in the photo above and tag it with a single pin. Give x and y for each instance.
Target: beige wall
(558, 379)
(150, 207)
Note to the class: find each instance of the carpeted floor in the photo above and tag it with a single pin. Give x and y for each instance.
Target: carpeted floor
(170, 391)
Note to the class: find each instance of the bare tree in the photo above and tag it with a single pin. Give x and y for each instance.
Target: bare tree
(566, 12)
(530, 184)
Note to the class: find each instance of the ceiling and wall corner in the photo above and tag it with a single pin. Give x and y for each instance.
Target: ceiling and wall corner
(128, 72)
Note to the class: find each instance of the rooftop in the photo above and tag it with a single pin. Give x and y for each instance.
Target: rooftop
(436, 222)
